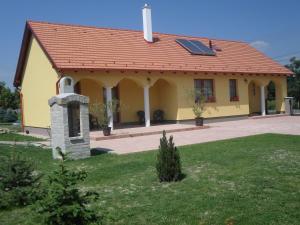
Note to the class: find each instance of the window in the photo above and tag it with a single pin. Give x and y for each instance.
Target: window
(204, 87)
(68, 82)
(233, 90)
(74, 119)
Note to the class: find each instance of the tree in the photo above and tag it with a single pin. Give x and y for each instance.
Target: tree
(64, 203)
(294, 81)
(19, 182)
(8, 99)
(168, 164)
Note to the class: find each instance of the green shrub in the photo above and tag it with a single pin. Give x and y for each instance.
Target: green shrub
(8, 116)
(271, 104)
(168, 160)
(19, 182)
(64, 204)
(2, 114)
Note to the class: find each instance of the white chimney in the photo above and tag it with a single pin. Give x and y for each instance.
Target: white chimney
(147, 23)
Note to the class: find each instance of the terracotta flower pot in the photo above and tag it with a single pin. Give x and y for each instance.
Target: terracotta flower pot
(199, 121)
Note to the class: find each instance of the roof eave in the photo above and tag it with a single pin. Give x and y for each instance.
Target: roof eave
(68, 69)
(22, 55)
(28, 32)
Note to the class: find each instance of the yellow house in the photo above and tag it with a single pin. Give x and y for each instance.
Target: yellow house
(145, 71)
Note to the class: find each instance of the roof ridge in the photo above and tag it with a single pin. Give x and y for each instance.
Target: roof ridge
(132, 30)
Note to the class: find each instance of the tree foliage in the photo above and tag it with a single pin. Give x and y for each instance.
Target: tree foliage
(197, 99)
(8, 99)
(294, 81)
(8, 115)
(64, 203)
(19, 182)
(168, 164)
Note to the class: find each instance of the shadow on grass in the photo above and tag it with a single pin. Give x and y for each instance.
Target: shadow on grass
(100, 151)
(180, 178)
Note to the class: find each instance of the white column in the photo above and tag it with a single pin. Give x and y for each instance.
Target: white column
(109, 103)
(147, 106)
(262, 100)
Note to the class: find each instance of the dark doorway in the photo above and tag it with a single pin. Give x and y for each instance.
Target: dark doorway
(74, 119)
(271, 98)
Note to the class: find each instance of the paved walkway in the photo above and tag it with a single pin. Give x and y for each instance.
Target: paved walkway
(217, 131)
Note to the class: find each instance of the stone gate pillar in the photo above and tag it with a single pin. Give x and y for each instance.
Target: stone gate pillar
(70, 124)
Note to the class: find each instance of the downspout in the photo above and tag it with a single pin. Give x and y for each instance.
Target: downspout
(21, 108)
(57, 84)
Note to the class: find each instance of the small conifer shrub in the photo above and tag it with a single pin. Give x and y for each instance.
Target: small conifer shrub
(168, 164)
(64, 203)
(19, 182)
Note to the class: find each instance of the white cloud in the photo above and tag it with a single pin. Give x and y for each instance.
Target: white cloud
(260, 45)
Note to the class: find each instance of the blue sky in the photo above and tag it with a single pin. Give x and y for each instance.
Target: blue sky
(270, 25)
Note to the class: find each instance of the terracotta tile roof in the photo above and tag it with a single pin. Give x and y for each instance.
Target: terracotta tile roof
(83, 47)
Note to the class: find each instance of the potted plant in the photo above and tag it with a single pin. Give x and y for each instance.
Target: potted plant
(100, 110)
(104, 123)
(198, 109)
(198, 101)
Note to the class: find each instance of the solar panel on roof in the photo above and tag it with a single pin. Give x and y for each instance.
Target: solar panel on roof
(195, 47)
(203, 47)
(189, 46)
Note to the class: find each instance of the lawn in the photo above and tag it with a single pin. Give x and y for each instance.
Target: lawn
(13, 136)
(252, 180)
(18, 137)
(11, 127)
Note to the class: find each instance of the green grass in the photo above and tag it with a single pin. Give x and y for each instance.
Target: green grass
(12, 128)
(253, 180)
(13, 136)
(18, 137)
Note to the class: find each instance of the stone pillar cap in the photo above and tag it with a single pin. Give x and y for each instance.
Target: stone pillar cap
(65, 98)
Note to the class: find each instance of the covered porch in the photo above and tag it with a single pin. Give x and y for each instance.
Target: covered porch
(266, 97)
(140, 100)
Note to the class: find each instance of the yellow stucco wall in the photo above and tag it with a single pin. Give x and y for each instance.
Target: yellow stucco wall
(38, 85)
(131, 100)
(168, 91)
(94, 91)
(163, 96)
(223, 106)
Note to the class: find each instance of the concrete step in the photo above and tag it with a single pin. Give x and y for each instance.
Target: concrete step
(145, 133)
